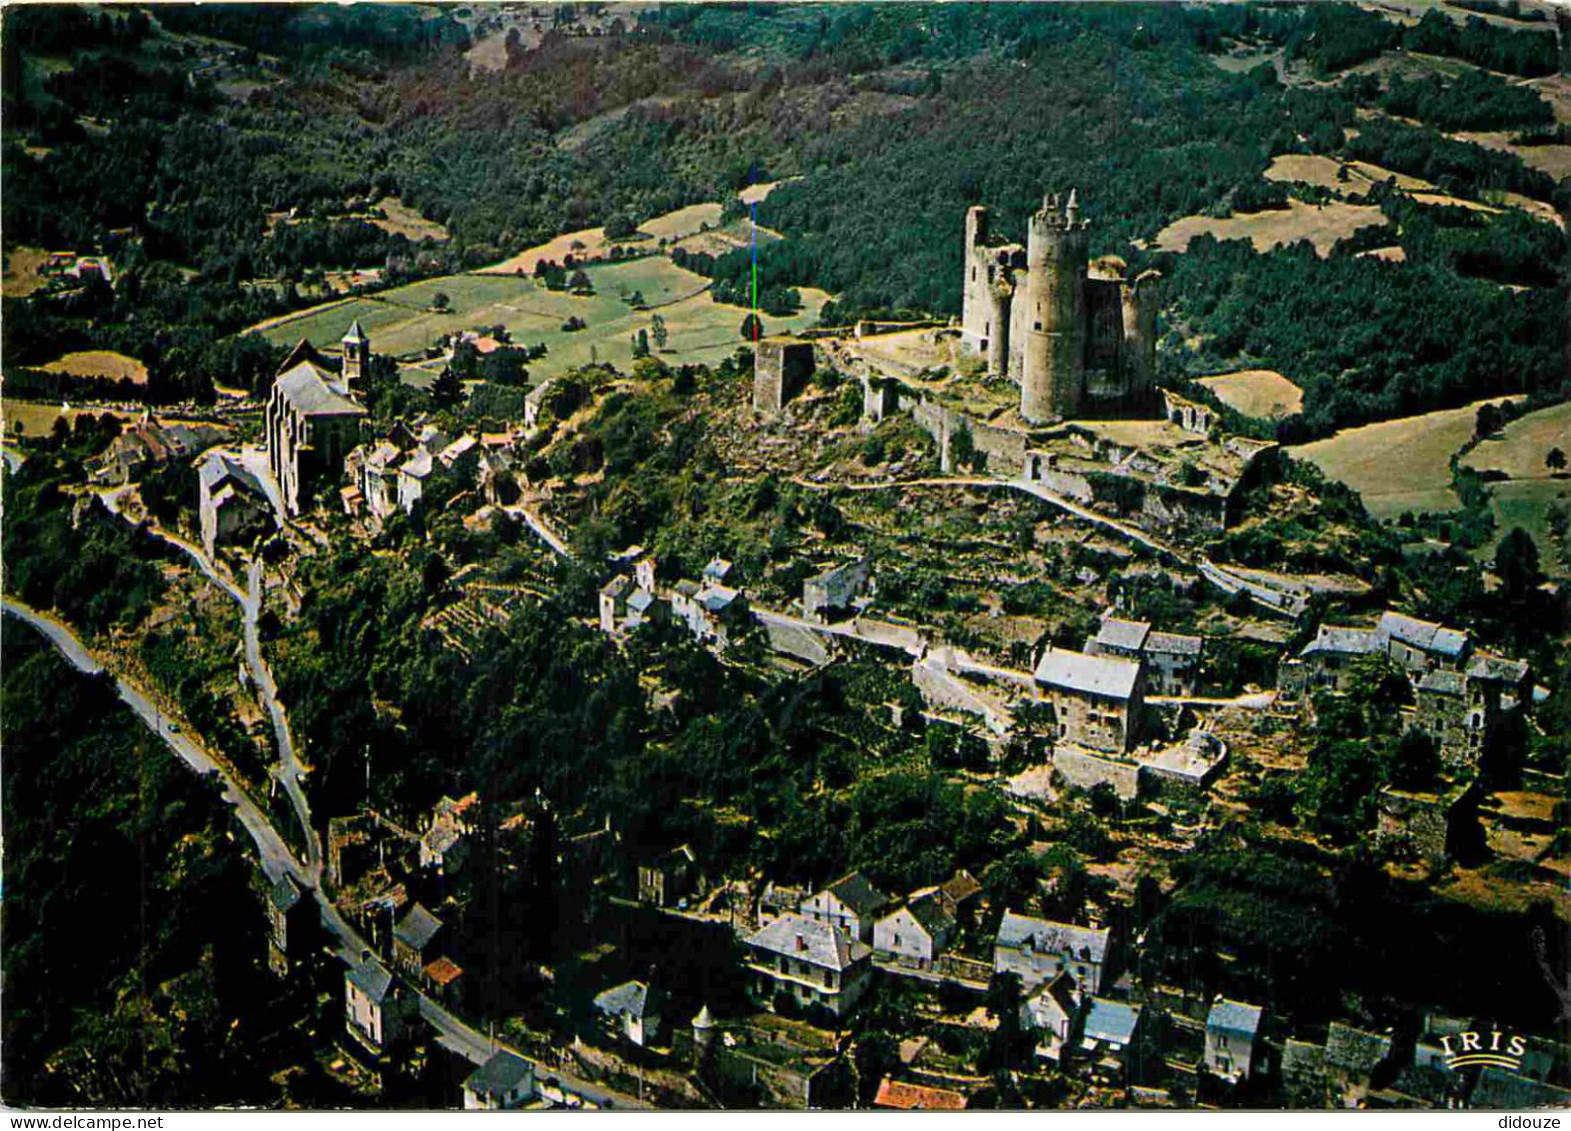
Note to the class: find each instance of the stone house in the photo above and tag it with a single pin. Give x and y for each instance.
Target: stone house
(917, 933)
(851, 905)
(669, 878)
(503, 1082)
(613, 602)
(444, 844)
(1329, 658)
(378, 1010)
(1097, 700)
(412, 939)
(1442, 714)
(1171, 660)
(1352, 1055)
(833, 590)
(1232, 1039)
(1420, 645)
(413, 475)
(631, 1012)
(232, 504)
(1425, 825)
(1038, 950)
(289, 934)
(813, 962)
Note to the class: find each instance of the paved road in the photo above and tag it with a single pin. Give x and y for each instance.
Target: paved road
(278, 861)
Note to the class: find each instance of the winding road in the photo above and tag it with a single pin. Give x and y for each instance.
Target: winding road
(276, 858)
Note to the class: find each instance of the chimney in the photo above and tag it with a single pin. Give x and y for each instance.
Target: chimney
(801, 943)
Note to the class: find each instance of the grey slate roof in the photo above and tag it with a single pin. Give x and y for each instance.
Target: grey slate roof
(217, 467)
(313, 391)
(1496, 669)
(355, 333)
(1442, 682)
(499, 1075)
(640, 600)
(1174, 644)
(717, 598)
(1501, 1088)
(1093, 675)
(855, 892)
(1234, 1017)
(821, 945)
(1355, 1050)
(931, 910)
(630, 998)
(616, 586)
(1019, 931)
(284, 894)
(1347, 641)
(417, 928)
(1111, 1021)
(1127, 634)
(1420, 634)
(372, 979)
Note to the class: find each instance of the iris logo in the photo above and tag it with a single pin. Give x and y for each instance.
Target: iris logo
(1503, 1050)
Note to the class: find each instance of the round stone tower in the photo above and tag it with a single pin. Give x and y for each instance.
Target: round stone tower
(1052, 376)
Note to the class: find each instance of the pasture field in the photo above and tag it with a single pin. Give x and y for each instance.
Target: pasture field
(39, 419)
(405, 221)
(22, 275)
(1398, 465)
(1322, 225)
(1525, 503)
(1262, 393)
(100, 363)
(1520, 450)
(401, 321)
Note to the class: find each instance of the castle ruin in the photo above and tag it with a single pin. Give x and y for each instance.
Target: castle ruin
(1078, 338)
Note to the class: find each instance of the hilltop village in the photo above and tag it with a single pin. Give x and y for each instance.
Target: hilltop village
(851, 556)
(1157, 697)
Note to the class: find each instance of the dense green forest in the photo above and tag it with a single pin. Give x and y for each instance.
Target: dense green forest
(132, 936)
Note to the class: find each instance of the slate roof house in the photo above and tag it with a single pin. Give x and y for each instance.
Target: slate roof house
(1038, 950)
(377, 1008)
(1172, 660)
(232, 503)
(1097, 700)
(631, 1012)
(1109, 1043)
(289, 925)
(505, 1081)
(1232, 1039)
(412, 937)
(850, 904)
(915, 934)
(813, 962)
(1051, 1011)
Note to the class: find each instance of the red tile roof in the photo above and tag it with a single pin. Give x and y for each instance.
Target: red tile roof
(914, 1097)
(443, 971)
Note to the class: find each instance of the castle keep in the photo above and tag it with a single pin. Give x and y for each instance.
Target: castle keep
(1078, 338)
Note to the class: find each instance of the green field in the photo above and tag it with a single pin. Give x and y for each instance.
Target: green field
(1520, 449)
(1398, 465)
(401, 322)
(1525, 503)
